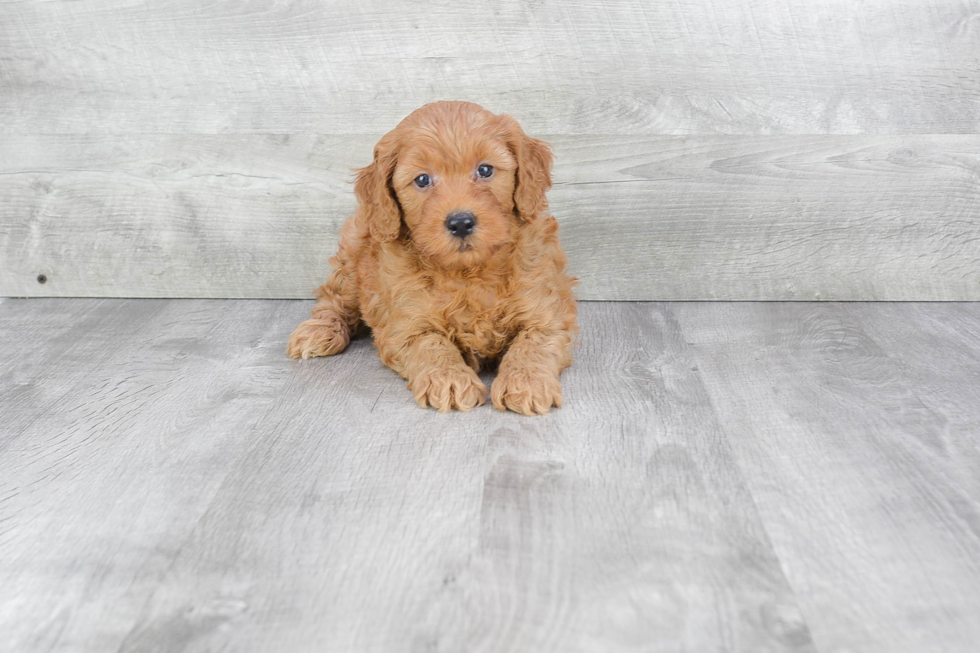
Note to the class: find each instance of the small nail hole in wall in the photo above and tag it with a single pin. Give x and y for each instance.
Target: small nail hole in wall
(42, 278)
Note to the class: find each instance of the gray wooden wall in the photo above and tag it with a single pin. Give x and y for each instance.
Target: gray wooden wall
(706, 149)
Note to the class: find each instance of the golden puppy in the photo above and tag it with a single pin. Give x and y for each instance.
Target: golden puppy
(452, 261)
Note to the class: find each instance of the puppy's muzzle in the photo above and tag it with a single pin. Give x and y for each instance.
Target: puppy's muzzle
(461, 223)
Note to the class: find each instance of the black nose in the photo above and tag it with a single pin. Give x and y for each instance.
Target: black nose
(460, 223)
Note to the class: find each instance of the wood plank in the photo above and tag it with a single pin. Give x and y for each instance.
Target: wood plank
(632, 67)
(708, 217)
(120, 421)
(55, 340)
(222, 497)
(163, 216)
(856, 427)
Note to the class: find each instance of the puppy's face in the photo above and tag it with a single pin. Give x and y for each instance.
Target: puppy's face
(457, 180)
(455, 185)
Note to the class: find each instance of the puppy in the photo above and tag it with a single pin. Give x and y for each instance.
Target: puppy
(453, 263)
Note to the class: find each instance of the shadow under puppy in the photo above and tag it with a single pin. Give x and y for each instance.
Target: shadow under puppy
(453, 263)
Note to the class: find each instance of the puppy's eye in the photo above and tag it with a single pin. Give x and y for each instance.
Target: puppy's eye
(484, 171)
(423, 181)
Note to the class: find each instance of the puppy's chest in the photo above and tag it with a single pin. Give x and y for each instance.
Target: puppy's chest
(478, 318)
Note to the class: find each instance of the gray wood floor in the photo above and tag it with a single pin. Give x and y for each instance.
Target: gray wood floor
(723, 477)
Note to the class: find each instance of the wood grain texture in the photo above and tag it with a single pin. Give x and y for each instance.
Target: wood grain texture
(163, 216)
(353, 66)
(172, 481)
(107, 462)
(712, 217)
(856, 427)
(706, 150)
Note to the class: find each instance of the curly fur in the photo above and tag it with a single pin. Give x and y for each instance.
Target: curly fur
(441, 309)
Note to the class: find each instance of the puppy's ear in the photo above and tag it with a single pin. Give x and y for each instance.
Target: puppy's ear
(374, 192)
(533, 178)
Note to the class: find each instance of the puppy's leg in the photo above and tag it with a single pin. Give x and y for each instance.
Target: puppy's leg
(436, 372)
(336, 313)
(527, 380)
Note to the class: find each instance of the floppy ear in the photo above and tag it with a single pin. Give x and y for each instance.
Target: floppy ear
(533, 177)
(374, 192)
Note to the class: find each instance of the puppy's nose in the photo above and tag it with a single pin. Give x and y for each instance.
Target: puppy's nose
(460, 223)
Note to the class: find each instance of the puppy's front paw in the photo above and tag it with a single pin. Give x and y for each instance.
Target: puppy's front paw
(525, 391)
(444, 389)
(319, 338)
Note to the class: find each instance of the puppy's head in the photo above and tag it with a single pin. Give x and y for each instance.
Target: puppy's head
(457, 180)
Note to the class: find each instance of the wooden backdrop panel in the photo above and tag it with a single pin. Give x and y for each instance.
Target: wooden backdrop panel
(643, 218)
(575, 66)
(720, 149)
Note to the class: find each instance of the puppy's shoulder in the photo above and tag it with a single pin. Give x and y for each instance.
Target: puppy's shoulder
(539, 244)
(546, 227)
